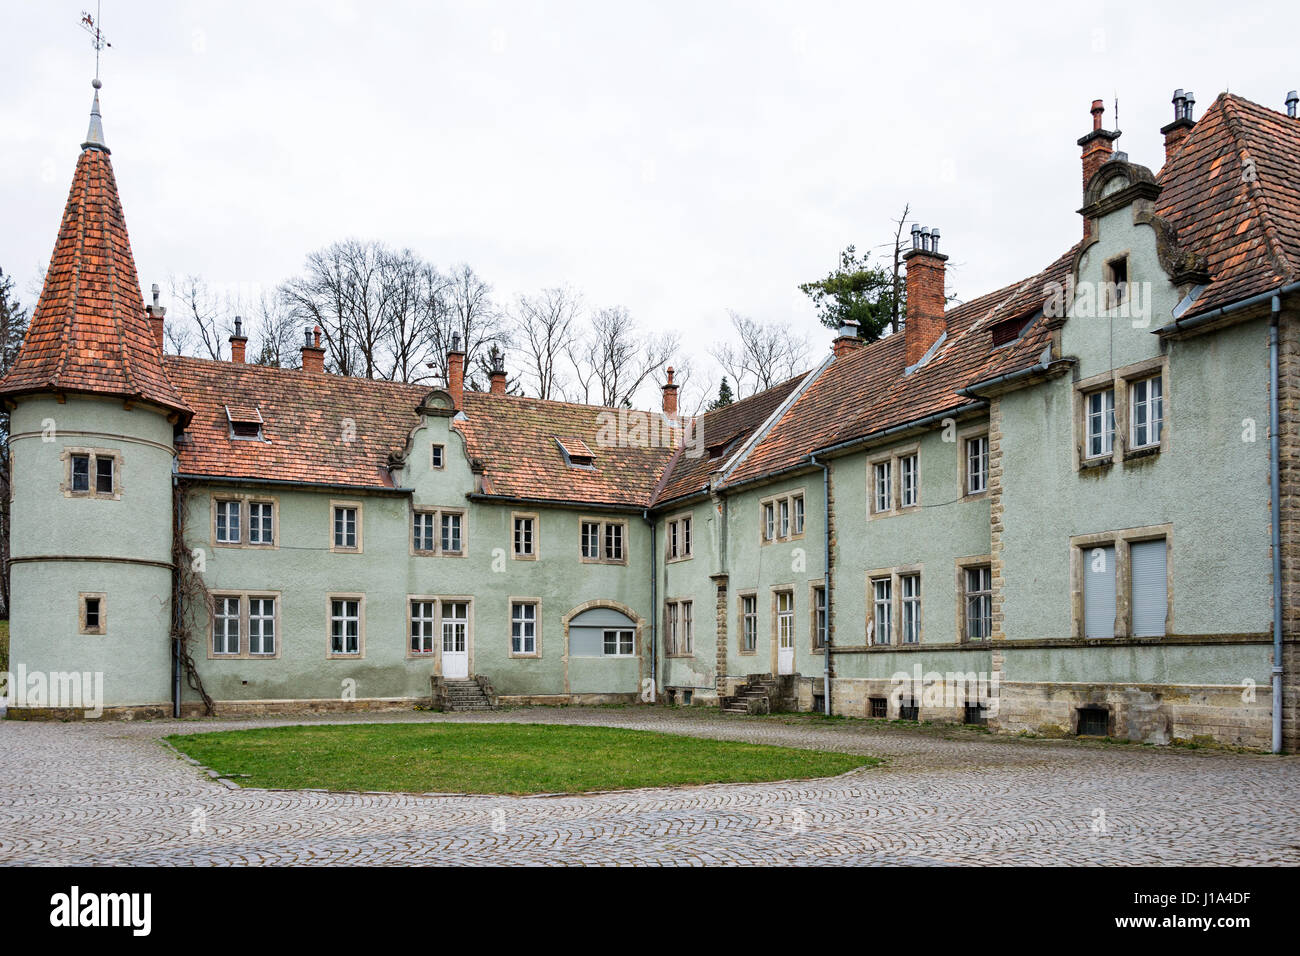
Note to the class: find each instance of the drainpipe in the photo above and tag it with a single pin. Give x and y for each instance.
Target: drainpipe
(1276, 504)
(176, 641)
(826, 576)
(654, 615)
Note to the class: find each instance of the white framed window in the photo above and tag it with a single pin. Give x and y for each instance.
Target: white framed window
(619, 642)
(347, 528)
(1146, 412)
(977, 464)
(261, 626)
(451, 533)
(436, 456)
(523, 627)
(909, 488)
(910, 594)
(883, 487)
(422, 530)
(613, 541)
(228, 529)
(345, 627)
(261, 522)
(225, 624)
(604, 541)
(769, 522)
(785, 619)
(524, 536)
(92, 473)
(783, 509)
(423, 623)
(1100, 419)
(748, 623)
(679, 627)
(455, 626)
(796, 504)
(882, 593)
(783, 517)
(680, 542)
(978, 602)
(591, 540)
(818, 617)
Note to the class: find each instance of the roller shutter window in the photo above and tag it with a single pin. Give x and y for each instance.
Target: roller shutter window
(1149, 587)
(1099, 591)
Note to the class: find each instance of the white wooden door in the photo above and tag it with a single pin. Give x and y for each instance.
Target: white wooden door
(785, 633)
(455, 640)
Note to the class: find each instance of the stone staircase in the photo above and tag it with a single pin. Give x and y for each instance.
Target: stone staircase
(471, 694)
(756, 696)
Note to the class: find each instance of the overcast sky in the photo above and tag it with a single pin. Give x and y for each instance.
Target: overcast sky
(681, 159)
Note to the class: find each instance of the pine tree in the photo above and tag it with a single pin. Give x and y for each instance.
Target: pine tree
(724, 398)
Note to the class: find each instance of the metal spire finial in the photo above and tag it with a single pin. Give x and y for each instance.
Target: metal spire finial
(95, 134)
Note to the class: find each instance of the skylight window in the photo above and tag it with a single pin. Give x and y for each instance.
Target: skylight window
(245, 422)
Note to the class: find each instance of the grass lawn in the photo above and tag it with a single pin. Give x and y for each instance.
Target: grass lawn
(494, 758)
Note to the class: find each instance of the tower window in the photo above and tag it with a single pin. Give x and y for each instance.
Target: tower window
(92, 619)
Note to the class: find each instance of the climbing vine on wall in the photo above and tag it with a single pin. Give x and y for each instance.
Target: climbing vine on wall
(189, 594)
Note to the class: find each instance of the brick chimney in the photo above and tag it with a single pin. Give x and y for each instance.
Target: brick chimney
(156, 315)
(1097, 147)
(847, 339)
(925, 299)
(1183, 122)
(670, 395)
(313, 355)
(498, 375)
(238, 342)
(456, 372)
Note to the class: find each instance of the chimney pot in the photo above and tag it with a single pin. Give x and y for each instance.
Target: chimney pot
(1097, 146)
(156, 314)
(497, 378)
(456, 372)
(848, 339)
(924, 321)
(313, 356)
(1292, 99)
(670, 395)
(238, 342)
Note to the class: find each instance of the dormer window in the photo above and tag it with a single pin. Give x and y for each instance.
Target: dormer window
(245, 422)
(1008, 330)
(576, 453)
(1116, 290)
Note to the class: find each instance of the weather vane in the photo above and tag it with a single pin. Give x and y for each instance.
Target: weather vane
(91, 25)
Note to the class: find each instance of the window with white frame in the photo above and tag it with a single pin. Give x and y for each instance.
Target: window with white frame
(748, 622)
(819, 617)
(523, 627)
(225, 624)
(769, 521)
(525, 536)
(591, 540)
(613, 541)
(618, 642)
(910, 597)
(423, 624)
(261, 626)
(345, 626)
(679, 627)
(909, 490)
(977, 464)
(783, 517)
(92, 473)
(1099, 413)
(347, 528)
(1146, 411)
(882, 487)
(796, 505)
(451, 532)
(785, 619)
(978, 583)
(228, 528)
(679, 538)
(783, 510)
(261, 522)
(437, 532)
(436, 456)
(604, 541)
(422, 536)
(882, 592)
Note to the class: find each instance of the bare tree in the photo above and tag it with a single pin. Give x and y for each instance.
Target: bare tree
(543, 325)
(416, 301)
(277, 338)
(615, 358)
(201, 318)
(761, 355)
(474, 317)
(14, 321)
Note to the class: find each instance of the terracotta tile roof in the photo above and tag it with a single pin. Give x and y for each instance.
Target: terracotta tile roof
(515, 439)
(318, 428)
(865, 391)
(1232, 192)
(719, 433)
(89, 332)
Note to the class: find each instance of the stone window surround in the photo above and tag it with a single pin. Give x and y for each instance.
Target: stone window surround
(677, 520)
(536, 602)
(963, 565)
(244, 596)
(1120, 379)
(740, 621)
(360, 598)
(670, 651)
(245, 499)
(963, 465)
(437, 513)
(895, 481)
(434, 447)
(775, 501)
(436, 654)
(532, 516)
(102, 627)
(603, 523)
(66, 456)
(814, 586)
(1120, 540)
(895, 606)
(341, 503)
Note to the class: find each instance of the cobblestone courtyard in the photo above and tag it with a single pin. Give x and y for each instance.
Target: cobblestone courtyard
(110, 792)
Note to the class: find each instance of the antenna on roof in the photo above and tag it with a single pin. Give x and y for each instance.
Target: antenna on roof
(91, 26)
